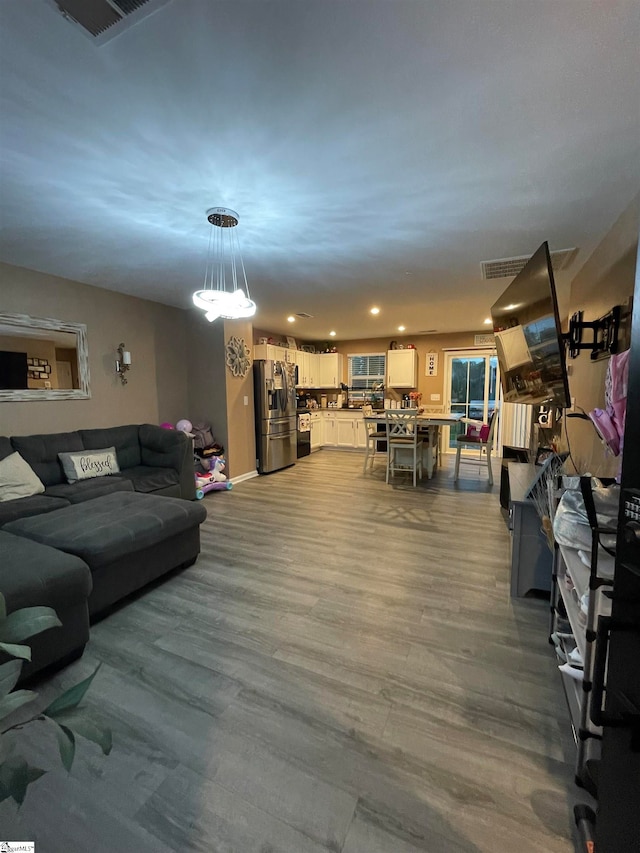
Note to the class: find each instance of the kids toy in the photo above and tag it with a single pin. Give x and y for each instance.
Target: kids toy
(166, 425)
(213, 479)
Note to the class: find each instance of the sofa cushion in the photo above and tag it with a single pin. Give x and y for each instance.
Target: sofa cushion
(89, 464)
(101, 531)
(18, 479)
(34, 575)
(86, 490)
(41, 452)
(123, 438)
(24, 507)
(147, 479)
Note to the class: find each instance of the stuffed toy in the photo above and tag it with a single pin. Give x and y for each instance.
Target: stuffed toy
(216, 468)
(212, 479)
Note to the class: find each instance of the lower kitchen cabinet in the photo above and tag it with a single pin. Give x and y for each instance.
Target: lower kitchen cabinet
(343, 428)
(317, 431)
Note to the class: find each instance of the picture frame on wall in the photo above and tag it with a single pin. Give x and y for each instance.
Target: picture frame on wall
(291, 342)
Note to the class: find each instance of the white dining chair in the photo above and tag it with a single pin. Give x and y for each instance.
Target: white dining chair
(405, 444)
(484, 444)
(374, 433)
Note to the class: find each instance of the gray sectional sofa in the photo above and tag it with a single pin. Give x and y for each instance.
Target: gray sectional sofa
(151, 459)
(80, 547)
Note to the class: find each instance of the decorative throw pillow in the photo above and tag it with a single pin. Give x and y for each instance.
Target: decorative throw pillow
(83, 464)
(18, 479)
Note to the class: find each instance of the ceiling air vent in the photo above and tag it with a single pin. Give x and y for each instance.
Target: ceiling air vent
(510, 267)
(304, 316)
(103, 20)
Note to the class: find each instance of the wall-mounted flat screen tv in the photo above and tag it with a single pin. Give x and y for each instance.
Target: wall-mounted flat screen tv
(13, 370)
(529, 339)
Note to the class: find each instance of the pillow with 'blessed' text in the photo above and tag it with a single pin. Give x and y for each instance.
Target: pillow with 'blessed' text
(84, 464)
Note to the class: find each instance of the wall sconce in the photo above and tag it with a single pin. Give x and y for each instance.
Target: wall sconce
(123, 363)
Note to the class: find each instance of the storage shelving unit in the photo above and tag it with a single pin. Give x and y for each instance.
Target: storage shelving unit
(571, 628)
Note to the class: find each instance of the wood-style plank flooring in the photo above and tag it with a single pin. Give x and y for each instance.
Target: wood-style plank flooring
(342, 670)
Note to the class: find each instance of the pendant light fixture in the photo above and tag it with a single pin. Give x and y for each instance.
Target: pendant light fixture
(221, 295)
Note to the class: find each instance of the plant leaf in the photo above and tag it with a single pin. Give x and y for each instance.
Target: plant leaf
(16, 775)
(71, 697)
(26, 622)
(16, 651)
(77, 720)
(3, 608)
(15, 700)
(66, 745)
(9, 675)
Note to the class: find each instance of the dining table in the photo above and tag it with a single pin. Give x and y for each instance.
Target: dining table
(428, 423)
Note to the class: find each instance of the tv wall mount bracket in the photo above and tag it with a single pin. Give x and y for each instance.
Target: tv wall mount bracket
(605, 334)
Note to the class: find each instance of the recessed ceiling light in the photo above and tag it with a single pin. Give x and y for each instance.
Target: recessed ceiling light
(487, 321)
(332, 334)
(375, 310)
(401, 328)
(291, 319)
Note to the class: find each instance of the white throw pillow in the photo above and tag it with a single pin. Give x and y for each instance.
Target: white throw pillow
(18, 479)
(84, 464)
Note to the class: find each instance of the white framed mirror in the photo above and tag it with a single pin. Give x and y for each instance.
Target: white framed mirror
(42, 359)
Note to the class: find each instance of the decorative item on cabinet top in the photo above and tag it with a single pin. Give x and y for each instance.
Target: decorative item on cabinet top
(237, 356)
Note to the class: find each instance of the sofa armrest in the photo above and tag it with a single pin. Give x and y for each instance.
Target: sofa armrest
(165, 448)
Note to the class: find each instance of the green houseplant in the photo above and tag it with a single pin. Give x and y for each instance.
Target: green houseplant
(63, 715)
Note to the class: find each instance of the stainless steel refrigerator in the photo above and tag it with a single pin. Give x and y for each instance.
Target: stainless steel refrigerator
(275, 404)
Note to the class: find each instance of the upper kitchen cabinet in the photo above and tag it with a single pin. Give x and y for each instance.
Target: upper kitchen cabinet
(402, 368)
(331, 364)
(271, 351)
(307, 363)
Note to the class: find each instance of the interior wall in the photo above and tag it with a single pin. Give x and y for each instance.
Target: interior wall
(155, 334)
(207, 396)
(427, 385)
(241, 437)
(606, 279)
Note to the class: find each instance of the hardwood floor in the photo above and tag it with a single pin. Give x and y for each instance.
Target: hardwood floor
(342, 670)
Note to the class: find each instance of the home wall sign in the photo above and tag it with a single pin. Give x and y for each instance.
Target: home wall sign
(431, 368)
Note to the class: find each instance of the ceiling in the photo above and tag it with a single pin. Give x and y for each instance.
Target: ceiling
(376, 150)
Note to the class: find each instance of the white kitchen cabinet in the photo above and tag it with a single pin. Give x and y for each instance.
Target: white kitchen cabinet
(300, 364)
(345, 431)
(330, 370)
(273, 352)
(402, 368)
(317, 431)
(313, 370)
(330, 432)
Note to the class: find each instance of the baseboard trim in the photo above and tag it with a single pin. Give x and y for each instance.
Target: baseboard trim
(248, 476)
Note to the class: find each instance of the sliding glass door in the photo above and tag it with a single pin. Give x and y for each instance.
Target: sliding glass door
(472, 388)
